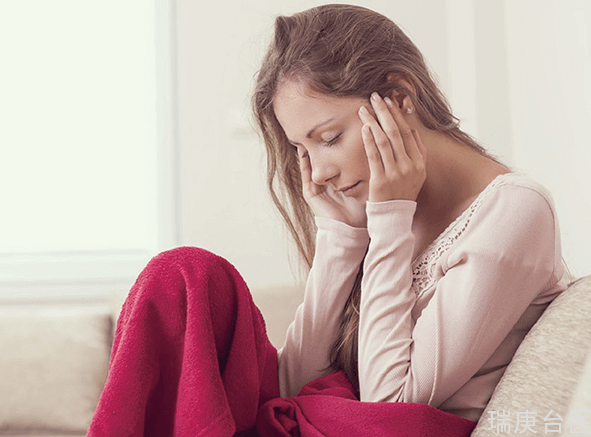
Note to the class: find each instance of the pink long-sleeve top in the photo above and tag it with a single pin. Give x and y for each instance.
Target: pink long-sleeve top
(439, 329)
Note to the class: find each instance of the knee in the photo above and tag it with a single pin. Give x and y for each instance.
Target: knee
(184, 255)
(194, 265)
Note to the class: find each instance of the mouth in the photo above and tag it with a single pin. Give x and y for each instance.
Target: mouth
(349, 189)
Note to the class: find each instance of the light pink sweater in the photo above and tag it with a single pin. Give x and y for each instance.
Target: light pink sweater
(439, 329)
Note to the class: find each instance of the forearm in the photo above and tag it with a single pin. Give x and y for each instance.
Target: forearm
(305, 355)
(387, 300)
(485, 280)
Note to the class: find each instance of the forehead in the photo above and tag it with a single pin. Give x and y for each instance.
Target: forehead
(292, 94)
(298, 108)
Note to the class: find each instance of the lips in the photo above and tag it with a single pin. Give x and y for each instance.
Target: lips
(350, 187)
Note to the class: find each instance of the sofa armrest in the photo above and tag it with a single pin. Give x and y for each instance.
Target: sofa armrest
(548, 367)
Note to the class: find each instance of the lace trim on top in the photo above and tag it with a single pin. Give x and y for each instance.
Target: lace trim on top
(422, 266)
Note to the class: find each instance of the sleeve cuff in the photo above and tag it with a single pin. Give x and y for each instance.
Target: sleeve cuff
(328, 224)
(390, 206)
(391, 217)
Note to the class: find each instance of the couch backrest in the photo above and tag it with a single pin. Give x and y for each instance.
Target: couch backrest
(53, 365)
(545, 381)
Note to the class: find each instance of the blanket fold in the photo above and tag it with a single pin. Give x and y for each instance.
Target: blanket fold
(327, 407)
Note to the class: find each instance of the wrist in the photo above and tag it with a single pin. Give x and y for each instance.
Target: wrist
(339, 227)
(390, 216)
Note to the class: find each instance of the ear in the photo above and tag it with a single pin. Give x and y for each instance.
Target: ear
(399, 96)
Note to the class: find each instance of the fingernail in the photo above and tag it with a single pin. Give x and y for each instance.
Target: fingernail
(375, 97)
(363, 110)
(389, 102)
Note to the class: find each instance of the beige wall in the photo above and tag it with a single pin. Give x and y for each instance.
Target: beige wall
(226, 207)
(549, 58)
(468, 44)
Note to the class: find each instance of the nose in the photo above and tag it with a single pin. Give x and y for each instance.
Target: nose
(322, 170)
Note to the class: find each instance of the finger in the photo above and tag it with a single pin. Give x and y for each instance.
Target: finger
(305, 170)
(376, 167)
(379, 138)
(390, 127)
(405, 146)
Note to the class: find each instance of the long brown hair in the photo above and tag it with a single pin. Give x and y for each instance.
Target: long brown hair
(339, 50)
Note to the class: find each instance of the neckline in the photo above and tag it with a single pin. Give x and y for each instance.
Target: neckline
(435, 242)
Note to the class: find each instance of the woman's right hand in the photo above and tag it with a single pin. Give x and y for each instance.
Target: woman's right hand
(326, 202)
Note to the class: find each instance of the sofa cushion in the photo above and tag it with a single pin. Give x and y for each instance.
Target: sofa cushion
(278, 306)
(53, 365)
(543, 379)
(581, 403)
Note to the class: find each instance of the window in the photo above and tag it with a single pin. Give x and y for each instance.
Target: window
(87, 160)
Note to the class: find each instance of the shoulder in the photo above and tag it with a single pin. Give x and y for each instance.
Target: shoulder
(513, 217)
(513, 198)
(526, 187)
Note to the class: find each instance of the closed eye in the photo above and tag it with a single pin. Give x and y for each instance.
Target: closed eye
(326, 143)
(332, 142)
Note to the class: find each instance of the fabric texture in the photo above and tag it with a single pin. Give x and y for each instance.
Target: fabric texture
(53, 364)
(439, 327)
(548, 374)
(190, 353)
(328, 407)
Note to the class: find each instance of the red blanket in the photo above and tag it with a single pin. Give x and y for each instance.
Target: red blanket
(191, 358)
(328, 407)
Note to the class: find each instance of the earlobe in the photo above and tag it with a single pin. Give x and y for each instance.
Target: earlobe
(406, 105)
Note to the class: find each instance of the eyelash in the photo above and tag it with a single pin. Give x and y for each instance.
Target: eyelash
(326, 143)
(332, 142)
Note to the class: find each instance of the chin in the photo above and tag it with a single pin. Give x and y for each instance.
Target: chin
(361, 198)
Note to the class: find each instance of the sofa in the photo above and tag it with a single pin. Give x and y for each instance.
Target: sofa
(54, 359)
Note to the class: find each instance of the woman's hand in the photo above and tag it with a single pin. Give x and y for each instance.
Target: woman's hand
(326, 202)
(397, 157)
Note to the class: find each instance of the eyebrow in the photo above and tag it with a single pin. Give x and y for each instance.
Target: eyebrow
(311, 132)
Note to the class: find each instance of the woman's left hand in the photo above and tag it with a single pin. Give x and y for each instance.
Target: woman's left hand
(397, 157)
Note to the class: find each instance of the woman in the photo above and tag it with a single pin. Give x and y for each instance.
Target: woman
(429, 259)
(463, 254)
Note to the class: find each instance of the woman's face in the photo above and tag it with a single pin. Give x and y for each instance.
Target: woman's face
(328, 130)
